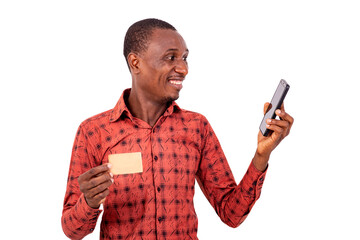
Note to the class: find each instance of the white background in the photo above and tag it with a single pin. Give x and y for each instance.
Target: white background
(61, 62)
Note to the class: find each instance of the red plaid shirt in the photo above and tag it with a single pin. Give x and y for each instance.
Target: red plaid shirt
(157, 203)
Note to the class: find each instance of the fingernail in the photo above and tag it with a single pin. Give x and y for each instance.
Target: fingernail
(111, 175)
(109, 165)
(278, 111)
(267, 126)
(269, 120)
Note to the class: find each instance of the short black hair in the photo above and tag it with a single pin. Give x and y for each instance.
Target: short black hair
(138, 34)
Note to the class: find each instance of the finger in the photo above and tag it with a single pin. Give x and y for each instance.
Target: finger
(99, 198)
(266, 107)
(102, 200)
(280, 123)
(276, 129)
(94, 171)
(284, 116)
(96, 181)
(99, 189)
(285, 125)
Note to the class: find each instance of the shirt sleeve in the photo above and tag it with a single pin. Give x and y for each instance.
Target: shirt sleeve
(232, 202)
(78, 219)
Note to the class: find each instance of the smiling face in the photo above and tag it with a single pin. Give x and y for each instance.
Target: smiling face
(159, 71)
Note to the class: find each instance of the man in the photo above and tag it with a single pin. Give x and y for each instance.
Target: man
(177, 146)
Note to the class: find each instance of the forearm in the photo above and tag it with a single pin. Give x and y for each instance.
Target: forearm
(79, 220)
(240, 202)
(260, 161)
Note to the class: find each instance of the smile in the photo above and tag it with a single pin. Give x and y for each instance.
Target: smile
(176, 83)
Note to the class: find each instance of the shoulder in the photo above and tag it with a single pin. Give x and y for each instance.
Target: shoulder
(191, 114)
(193, 117)
(100, 120)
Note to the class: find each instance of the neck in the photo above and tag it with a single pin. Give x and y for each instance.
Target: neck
(145, 109)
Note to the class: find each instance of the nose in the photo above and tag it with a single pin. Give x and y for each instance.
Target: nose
(182, 68)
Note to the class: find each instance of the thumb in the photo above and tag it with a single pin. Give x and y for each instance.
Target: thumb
(102, 201)
(266, 107)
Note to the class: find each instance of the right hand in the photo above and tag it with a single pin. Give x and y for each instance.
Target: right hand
(95, 183)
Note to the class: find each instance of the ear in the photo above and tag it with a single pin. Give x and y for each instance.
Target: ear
(134, 63)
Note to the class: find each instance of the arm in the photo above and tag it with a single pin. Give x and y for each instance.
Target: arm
(86, 189)
(233, 202)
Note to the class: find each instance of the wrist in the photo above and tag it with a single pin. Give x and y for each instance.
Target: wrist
(90, 204)
(260, 161)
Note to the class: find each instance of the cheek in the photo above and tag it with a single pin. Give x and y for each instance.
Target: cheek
(160, 75)
(157, 73)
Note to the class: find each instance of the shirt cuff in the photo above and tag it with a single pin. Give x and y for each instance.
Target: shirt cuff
(255, 179)
(87, 212)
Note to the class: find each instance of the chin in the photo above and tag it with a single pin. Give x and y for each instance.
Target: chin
(171, 98)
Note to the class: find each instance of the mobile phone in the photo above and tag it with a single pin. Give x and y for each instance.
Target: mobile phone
(275, 103)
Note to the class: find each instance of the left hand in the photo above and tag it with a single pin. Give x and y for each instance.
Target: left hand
(279, 130)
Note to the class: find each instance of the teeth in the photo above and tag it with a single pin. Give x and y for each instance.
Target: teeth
(175, 82)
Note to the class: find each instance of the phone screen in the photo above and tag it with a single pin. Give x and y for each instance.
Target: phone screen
(275, 103)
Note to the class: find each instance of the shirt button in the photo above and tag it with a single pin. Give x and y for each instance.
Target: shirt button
(159, 219)
(158, 189)
(91, 229)
(156, 158)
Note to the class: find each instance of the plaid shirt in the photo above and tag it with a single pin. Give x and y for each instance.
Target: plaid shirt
(157, 203)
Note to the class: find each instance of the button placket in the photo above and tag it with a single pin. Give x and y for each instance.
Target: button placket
(156, 164)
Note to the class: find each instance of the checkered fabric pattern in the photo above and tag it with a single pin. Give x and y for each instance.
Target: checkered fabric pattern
(157, 203)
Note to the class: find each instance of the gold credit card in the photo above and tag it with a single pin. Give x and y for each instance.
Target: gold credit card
(125, 163)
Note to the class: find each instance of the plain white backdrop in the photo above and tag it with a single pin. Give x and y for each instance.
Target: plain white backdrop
(61, 62)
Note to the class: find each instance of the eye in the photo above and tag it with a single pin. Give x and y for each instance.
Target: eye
(171, 57)
(185, 58)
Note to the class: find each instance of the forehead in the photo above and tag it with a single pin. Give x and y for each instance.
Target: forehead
(162, 40)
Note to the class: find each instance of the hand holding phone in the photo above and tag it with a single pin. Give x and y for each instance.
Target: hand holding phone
(275, 104)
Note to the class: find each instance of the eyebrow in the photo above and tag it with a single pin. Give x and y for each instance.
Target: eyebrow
(175, 49)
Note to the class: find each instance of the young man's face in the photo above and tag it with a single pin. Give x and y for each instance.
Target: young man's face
(163, 66)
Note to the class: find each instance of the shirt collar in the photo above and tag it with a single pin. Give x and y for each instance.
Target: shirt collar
(121, 108)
